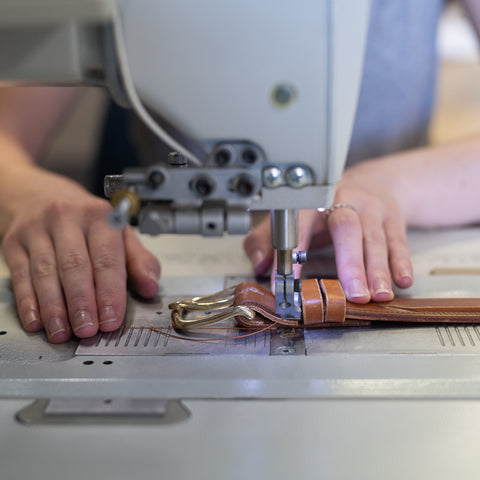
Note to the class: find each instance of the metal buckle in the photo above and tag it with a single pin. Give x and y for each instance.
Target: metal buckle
(219, 306)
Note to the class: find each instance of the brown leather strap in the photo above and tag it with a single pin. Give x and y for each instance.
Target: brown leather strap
(325, 305)
(423, 310)
(260, 300)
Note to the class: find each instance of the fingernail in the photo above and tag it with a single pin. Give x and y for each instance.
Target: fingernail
(81, 320)
(406, 274)
(30, 318)
(107, 315)
(356, 289)
(56, 326)
(154, 276)
(256, 258)
(381, 288)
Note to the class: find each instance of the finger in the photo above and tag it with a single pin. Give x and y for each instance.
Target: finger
(258, 247)
(400, 262)
(346, 233)
(17, 260)
(48, 290)
(107, 254)
(321, 239)
(307, 223)
(143, 267)
(76, 277)
(376, 258)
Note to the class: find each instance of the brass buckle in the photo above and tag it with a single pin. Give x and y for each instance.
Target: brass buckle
(219, 306)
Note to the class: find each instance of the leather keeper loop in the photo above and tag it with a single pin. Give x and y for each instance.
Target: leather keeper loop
(335, 302)
(312, 303)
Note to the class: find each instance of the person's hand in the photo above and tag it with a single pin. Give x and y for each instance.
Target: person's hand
(369, 239)
(68, 268)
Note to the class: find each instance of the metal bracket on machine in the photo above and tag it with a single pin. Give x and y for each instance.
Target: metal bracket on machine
(68, 411)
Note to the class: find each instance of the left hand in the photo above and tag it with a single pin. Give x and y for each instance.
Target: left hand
(370, 240)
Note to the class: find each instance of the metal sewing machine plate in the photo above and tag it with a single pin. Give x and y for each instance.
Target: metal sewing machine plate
(148, 331)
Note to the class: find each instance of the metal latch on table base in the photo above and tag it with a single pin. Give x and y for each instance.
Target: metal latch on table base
(103, 411)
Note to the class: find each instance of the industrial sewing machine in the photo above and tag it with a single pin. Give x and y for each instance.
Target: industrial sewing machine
(256, 98)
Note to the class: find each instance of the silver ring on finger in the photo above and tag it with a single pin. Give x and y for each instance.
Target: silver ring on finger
(336, 206)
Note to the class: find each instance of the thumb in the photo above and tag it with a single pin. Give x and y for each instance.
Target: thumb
(257, 246)
(306, 228)
(143, 267)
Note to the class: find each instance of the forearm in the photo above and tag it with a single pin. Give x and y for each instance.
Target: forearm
(14, 163)
(434, 186)
(28, 117)
(22, 183)
(31, 114)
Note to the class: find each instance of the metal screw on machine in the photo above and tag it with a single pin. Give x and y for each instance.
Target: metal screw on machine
(283, 95)
(155, 178)
(245, 185)
(298, 177)
(249, 156)
(175, 159)
(202, 185)
(223, 156)
(112, 183)
(272, 177)
(299, 257)
(284, 350)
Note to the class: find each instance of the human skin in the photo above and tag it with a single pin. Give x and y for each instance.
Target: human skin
(435, 186)
(68, 268)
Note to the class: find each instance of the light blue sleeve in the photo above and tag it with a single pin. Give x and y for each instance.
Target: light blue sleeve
(398, 85)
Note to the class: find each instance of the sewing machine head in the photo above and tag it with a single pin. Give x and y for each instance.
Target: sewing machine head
(256, 98)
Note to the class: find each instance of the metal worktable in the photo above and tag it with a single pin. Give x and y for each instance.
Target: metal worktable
(357, 403)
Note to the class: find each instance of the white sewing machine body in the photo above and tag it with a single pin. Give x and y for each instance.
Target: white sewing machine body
(281, 79)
